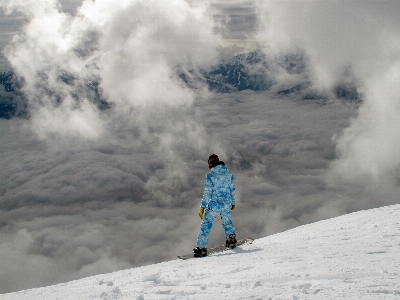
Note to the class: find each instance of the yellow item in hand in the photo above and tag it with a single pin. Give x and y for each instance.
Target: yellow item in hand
(201, 213)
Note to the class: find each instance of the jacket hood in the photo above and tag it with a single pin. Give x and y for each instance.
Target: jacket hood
(219, 168)
(217, 164)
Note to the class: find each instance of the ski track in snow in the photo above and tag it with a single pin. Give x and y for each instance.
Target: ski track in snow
(356, 256)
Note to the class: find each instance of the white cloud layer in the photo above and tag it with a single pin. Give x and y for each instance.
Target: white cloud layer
(356, 41)
(131, 48)
(131, 198)
(134, 156)
(97, 190)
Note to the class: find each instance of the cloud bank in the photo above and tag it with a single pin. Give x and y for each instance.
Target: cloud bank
(356, 42)
(108, 171)
(93, 190)
(120, 46)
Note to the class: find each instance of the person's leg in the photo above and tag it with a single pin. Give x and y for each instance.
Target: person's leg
(205, 228)
(227, 223)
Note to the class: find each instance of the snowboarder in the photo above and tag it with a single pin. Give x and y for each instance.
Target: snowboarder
(218, 198)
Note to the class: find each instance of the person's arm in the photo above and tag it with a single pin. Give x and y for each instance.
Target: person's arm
(208, 187)
(233, 192)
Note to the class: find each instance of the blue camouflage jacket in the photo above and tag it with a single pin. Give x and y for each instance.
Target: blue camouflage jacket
(219, 188)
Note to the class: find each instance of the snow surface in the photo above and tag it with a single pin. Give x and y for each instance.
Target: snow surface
(356, 256)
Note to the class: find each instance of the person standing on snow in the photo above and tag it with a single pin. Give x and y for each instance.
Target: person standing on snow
(218, 198)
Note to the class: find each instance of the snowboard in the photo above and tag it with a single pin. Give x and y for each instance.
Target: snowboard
(217, 249)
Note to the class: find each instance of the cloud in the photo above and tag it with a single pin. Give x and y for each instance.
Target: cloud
(354, 42)
(235, 19)
(118, 46)
(130, 199)
(279, 150)
(369, 148)
(86, 190)
(98, 190)
(335, 35)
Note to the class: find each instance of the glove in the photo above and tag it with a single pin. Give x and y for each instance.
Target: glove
(233, 207)
(201, 213)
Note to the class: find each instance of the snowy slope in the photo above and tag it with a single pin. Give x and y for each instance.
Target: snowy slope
(356, 256)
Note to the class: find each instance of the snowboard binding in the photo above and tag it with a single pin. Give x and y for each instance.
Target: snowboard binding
(231, 241)
(199, 252)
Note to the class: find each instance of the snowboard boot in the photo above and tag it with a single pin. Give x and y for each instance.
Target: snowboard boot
(199, 252)
(231, 241)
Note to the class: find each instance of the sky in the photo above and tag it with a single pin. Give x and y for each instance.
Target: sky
(352, 256)
(87, 190)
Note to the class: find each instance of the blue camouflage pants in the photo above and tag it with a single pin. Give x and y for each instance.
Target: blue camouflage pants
(210, 214)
